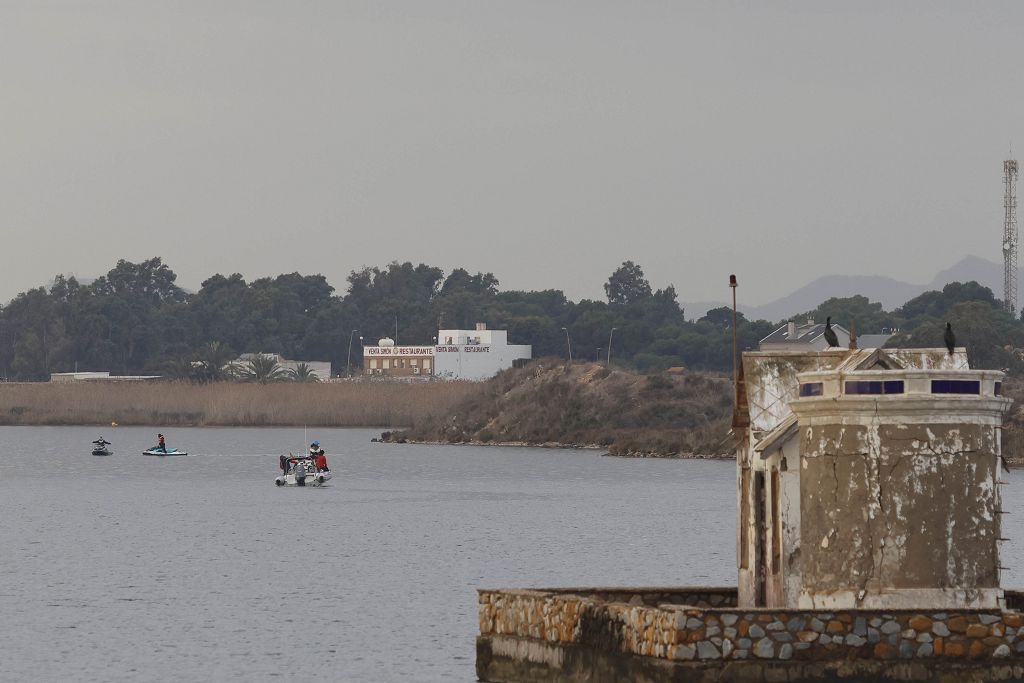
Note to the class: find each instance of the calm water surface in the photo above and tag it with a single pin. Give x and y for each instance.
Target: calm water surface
(144, 569)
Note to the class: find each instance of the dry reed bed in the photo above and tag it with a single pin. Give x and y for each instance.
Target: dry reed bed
(340, 404)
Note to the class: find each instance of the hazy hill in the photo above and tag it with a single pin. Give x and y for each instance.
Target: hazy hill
(891, 293)
(589, 405)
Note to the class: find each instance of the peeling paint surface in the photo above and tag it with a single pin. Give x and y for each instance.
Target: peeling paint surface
(906, 507)
(880, 498)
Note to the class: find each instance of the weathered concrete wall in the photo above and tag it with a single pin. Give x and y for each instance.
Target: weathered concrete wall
(898, 507)
(547, 635)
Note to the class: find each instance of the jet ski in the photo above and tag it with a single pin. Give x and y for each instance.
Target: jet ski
(100, 447)
(156, 450)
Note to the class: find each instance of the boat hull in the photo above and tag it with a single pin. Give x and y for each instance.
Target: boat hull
(312, 479)
(170, 451)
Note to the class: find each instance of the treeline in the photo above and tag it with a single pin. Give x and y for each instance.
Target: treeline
(136, 319)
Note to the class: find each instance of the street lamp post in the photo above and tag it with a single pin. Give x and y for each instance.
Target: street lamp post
(568, 343)
(609, 361)
(348, 360)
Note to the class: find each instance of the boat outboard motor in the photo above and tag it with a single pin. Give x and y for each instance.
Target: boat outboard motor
(300, 474)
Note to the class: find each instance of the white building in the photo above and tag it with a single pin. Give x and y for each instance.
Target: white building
(67, 377)
(807, 337)
(320, 368)
(459, 354)
(476, 354)
(388, 360)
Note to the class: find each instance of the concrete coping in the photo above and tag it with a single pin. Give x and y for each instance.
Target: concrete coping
(614, 589)
(595, 594)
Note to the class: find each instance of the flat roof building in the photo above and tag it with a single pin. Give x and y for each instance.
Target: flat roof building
(66, 377)
(320, 368)
(459, 354)
(476, 354)
(810, 336)
(387, 360)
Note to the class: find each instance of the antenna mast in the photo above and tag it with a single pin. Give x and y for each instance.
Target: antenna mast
(1010, 237)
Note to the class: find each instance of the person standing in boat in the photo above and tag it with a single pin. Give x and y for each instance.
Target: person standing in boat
(161, 443)
(316, 453)
(320, 461)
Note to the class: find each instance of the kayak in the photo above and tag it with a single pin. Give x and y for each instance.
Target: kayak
(156, 451)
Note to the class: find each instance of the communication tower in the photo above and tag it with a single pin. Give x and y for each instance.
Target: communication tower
(1010, 237)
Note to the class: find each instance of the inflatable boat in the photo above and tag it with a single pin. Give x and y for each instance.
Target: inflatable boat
(302, 472)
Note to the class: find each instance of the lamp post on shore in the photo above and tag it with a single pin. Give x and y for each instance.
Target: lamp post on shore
(609, 361)
(568, 343)
(348, 361)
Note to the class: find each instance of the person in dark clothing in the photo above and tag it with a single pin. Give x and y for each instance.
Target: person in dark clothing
(284, 464)
(320, 461)
(160, 443)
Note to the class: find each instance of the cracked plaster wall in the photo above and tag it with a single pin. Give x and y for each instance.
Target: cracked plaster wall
(890, 507)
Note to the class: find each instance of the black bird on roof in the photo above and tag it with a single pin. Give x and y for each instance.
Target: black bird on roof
(950, 338)
(830, 335)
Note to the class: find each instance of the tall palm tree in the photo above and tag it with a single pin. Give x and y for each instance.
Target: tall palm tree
(303, 373)
(215, 358)
(182, 367)
(263, 370)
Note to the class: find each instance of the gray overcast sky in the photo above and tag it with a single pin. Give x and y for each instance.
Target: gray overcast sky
(543, 141)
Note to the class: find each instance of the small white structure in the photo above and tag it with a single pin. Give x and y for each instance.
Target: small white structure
(320, 368)
(476, 354)
(809, 336)
(67, 377)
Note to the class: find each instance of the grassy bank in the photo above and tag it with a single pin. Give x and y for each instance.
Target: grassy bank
(590, 405)
(343, 404)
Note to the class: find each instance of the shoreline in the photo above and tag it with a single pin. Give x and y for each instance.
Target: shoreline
(559, 446)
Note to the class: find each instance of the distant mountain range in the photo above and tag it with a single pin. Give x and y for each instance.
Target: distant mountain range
(889, 292)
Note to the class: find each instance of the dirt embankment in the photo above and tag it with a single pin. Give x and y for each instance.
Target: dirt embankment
(549, 403)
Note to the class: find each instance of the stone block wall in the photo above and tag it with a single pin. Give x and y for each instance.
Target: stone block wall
(685, 633)
(845, 635)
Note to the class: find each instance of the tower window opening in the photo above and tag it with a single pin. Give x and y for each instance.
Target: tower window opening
(873, 387)
(956, 386)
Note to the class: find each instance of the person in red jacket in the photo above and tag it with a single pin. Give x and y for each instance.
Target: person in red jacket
(320, 461)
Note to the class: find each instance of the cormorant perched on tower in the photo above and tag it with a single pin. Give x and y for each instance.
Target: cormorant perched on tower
(950, 338)
(830, 336)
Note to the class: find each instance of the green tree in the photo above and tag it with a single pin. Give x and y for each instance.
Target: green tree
(868, 315)
(262, 370)
(627, 285)
(213, 362)
(722, 316)
(303, 374)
